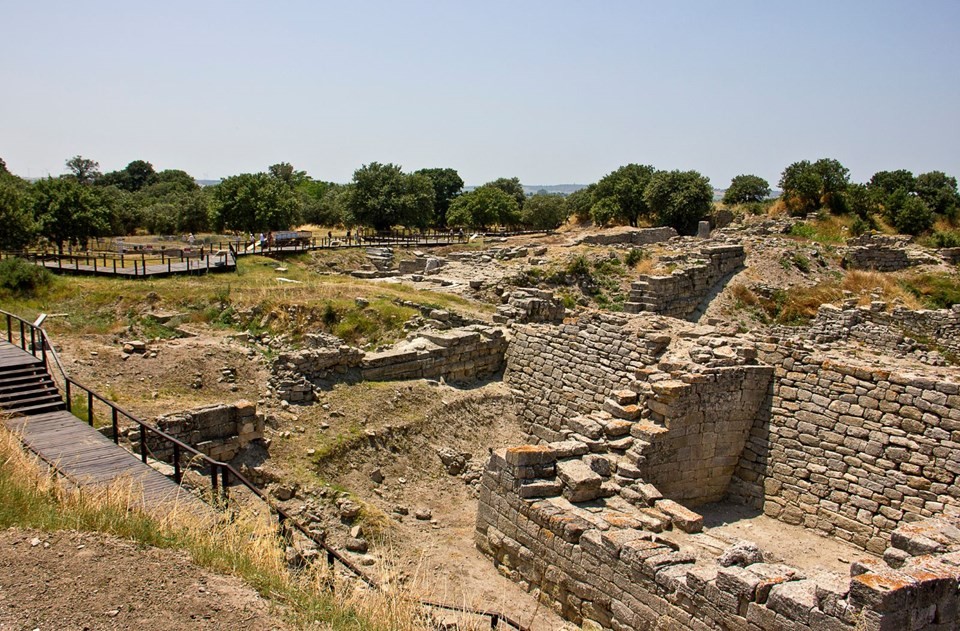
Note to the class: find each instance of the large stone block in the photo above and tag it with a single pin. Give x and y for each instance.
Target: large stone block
(581, 483)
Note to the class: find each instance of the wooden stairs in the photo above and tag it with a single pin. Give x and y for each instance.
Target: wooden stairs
(26, 388)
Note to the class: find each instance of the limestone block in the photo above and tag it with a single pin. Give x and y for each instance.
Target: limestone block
(794, 600)
(530, 455)
(581, 483)
(539, 488)
(680, 516)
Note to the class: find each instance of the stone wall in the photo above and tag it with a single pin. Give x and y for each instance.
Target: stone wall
(900, 330)
(629, 236)
(462, 354)
(680, 293)
(601, 569)
(522, 305)
(852, 449)
(705, 418)
(465, 354)
(884, 253)
(219, 431)
(571, 369)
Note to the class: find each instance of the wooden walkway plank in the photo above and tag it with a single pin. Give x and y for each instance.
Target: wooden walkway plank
(87, 458)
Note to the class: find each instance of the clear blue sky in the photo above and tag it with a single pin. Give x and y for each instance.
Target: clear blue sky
(552, 92)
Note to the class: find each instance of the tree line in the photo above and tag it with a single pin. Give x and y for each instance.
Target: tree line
(84, 203)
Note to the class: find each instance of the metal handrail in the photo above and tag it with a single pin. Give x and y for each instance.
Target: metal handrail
(225, 470)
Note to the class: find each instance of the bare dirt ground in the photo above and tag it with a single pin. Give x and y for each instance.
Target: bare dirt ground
(401, 426)
(726, 524)
(74, 581)
(172, 375)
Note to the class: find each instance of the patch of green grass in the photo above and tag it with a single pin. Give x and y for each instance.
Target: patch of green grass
(935, 291)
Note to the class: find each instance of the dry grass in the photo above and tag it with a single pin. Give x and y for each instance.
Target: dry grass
(744, 295)
(246, 546)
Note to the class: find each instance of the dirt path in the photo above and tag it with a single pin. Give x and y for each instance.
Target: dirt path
(72, 581)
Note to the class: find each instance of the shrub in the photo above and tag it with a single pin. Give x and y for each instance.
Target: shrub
(22, 277)
(913, 216)
(941, 239)
(634, 256)
(578, 266)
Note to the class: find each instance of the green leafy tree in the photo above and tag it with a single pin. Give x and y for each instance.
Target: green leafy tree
(578, 203)
(382, 196)
(745, 189)
(626, 187)
(69, 212)
(544, 211)
(604, 211)
(255, 202)
(16, 217)
(511, 186)
(939, 192)
(177, 179)
(810, 186)
(324, 203)
(285, 172)
(484, 207)
(133, 177)
(83, 170)
(885, 183)
(909, 213)
(447, 184)
(860, 201)
(679, 199)
(160, 218)
(3, 167)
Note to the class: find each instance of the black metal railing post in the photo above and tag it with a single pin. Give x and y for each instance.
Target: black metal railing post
(90, 407)
(177, 475)
(116, 425)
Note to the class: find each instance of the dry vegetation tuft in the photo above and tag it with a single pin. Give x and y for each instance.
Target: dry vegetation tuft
(247, 546)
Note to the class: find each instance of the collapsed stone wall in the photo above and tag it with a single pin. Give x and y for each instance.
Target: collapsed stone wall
(473, 352)
(600, 569)
(570, 369)
(219, 431)
(680, 293)
(459, 355)
(852, 449)
(884, 253)
(633, 236)
(522, 305)
(900, 330)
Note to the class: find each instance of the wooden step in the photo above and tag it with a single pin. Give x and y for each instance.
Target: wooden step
(21, 393)
(6, 386)
(19, 373)
(38, 408)
(19, 404)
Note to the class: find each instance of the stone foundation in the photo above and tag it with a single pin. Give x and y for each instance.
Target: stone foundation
(599, 570)
(901, 330)
(884, 253)
(219, 431)
(465, 354)
(629, 236)
(850, 449)
(680, 293)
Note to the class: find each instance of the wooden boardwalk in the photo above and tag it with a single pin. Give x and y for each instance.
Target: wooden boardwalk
(87, 458)
(141, 268)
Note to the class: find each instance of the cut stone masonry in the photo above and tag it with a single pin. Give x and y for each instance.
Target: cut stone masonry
(680, 293)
